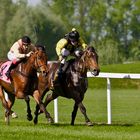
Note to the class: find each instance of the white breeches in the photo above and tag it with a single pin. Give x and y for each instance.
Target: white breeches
(11, 56)
(65, 52)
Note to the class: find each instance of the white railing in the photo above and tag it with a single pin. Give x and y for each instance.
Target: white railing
(107, 76)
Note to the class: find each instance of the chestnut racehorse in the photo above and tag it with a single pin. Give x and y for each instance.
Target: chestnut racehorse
(22, 79)
(73, 84)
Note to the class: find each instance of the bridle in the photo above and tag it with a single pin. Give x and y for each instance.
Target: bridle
(36, 62)
(34, 66)
(84, 59)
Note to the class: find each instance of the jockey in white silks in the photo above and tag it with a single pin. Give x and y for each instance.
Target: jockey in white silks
(18, 51)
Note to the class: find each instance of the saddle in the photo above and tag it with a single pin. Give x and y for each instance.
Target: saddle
(3, 69)
(60, 79)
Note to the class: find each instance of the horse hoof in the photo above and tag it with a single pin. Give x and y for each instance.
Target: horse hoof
(72, 124)
(14, 115)
(50, 120)
(35, 121)
(89, 123)
(29, 117)
(7, 120)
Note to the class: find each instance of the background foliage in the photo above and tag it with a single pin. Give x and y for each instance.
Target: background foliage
(111, 26)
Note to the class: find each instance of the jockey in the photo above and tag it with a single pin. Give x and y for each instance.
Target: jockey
(70, 44)
(18, 52)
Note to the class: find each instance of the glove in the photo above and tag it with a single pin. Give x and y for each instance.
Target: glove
(29, 54)
(60, 57)
(65, 52)
(78, 53)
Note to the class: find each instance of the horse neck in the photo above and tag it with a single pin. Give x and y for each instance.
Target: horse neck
(80, 66)
(26, 67)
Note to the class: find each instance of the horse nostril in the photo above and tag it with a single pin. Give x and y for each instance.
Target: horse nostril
(44, 72)
(96, 72)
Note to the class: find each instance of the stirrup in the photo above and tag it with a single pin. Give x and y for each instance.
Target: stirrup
(8, 74)
(52, 85)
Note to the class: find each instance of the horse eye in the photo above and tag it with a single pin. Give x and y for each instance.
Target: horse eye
(39, 57)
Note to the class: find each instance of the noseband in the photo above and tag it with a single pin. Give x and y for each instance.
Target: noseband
(34, 66)
(36, 62)
(85, 57)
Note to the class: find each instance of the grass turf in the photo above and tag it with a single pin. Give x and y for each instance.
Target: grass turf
(125, 119)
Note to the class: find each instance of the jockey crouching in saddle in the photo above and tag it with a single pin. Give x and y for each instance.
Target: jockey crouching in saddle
(72, 43)
(17, 52)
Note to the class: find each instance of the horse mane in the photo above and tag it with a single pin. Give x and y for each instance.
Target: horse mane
(37, 47)
(40, 47)
(79, 63)
(33, 48)
(91, 48)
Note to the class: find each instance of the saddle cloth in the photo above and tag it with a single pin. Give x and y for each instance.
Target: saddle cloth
(3, 69)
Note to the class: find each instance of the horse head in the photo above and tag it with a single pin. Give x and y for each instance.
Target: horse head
(39, 59)
(90, 58)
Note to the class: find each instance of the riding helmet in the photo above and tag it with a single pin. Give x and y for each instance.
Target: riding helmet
(26, 40)
(74, 35)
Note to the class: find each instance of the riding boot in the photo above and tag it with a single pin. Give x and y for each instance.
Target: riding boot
(65, 66)
(57, 76)
(60, 71)
(9, 70)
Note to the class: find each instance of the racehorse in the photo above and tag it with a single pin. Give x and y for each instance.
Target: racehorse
(22, 79)
(73, 83)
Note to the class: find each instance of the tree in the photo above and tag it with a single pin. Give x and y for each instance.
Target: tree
(6, 13)
(37, 24)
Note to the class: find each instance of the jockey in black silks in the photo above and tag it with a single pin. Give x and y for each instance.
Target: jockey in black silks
(72, 43)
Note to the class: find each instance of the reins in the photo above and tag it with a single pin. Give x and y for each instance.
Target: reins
(33, 66)
(23, 74)
(80, 66)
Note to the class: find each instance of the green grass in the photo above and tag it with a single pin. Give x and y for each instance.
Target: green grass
(117, 83)
(122, 68)
(125, 103)
(125, 119)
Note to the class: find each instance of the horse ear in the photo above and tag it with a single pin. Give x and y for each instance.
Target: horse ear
(35, 48)
(81, 53)
(40, 47)
(91, 48)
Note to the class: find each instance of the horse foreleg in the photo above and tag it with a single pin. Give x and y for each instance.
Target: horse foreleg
(49, 98)
(5, 105)
(29, 114)
(36, 114)
(74, 113)
(7, 111)
(10, 99)
(83, 110)
(40, 105)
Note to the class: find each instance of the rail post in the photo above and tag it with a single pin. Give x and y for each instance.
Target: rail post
(108, 101)
(56, 110)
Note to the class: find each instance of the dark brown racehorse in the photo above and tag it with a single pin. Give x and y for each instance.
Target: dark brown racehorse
(73, 83)
(23, 77)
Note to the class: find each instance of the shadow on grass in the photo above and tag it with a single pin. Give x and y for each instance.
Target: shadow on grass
(113, 124)
(94, 124)
(26, 123)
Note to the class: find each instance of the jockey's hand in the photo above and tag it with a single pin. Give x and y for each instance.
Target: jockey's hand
(60, 57)
(78, 53)
(29, 54)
